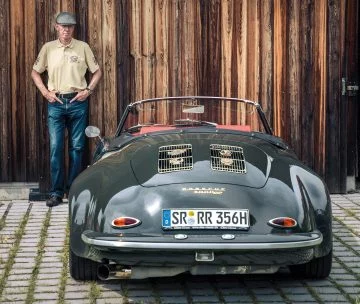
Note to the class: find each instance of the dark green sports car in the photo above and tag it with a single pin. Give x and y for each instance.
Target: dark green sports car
(199, 185)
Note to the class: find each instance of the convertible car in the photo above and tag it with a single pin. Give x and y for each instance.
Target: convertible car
(199, 185)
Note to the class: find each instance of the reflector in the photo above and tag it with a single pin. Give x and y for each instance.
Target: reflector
(283, 222)
(125, 222)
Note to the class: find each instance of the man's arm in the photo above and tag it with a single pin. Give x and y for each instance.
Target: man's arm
(39, 83)
(50, 96)
(82, 95)
(95, 79)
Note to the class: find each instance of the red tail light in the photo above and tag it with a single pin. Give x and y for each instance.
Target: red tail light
(283, 222)
(125, 222)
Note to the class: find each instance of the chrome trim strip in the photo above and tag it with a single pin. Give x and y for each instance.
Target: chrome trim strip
(318, 238)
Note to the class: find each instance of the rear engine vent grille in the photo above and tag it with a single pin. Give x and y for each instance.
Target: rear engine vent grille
(175, 158)
(227, 158)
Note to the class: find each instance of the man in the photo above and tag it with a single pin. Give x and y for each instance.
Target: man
(66, 61)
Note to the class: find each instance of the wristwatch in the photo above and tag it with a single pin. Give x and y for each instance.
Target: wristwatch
(89, 90)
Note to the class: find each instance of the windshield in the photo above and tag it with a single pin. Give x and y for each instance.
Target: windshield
(181, 112)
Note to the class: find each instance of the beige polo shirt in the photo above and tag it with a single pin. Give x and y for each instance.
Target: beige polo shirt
(66, 65)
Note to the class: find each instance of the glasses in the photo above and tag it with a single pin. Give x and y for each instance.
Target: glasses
(66, 26)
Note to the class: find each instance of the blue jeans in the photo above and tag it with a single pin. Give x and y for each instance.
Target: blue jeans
(73, 117)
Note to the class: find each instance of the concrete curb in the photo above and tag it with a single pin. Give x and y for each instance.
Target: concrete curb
(16, 191)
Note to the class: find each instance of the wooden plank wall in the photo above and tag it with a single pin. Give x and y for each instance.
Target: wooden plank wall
(287, 54)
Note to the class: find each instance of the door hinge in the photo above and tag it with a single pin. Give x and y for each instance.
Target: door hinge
(349, 88)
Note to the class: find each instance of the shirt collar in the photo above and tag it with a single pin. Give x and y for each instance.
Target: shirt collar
(70, 45)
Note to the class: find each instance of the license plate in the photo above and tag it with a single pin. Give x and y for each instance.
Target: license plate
(205, 219)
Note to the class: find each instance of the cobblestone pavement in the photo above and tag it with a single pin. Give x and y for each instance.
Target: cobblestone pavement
(33, 267)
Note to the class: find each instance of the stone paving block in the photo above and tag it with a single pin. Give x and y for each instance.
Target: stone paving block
(264, 291)
(143, 293)
(46, 296)
(29, 264)
(46, 289)
(306, 298)
(110, 286)
(52, 265)
(334, 298)
(204, 299)
(276, 298)
(75, 288)
(77, 301)
(18, 290)
(17, 284)
(47, 276)
(242, 298)
(18, 277)
(170, 292)
(111, 294)
(44, 269)
(48, 282)
(170, 300)
(342, 276)
(11, 298)
(111, 301)
(318, 283)
(76, 295)
(347, 283)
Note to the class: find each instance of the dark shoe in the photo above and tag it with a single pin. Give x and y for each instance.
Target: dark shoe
(53, 201)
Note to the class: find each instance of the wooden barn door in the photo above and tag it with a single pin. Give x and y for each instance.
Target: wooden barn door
(342, 109)
(350, 93)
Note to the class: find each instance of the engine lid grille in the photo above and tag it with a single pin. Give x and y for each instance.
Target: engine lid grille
(175, 158)
(227, 158)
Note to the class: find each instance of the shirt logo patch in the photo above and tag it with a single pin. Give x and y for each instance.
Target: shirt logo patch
(74, 59)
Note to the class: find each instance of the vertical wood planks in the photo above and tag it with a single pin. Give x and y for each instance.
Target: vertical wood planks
(18, 134)
(293, 76)
(289, 55)
(124, 71)
(109, 66)
(279, 98)
(265, 13)
(97, 101)
(6, 173)
(320, 74)
(31, 121)
(336, 130)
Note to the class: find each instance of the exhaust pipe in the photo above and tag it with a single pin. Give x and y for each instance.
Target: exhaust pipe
(113, 271)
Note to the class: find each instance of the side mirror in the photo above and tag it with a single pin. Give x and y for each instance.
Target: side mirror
(92, 131)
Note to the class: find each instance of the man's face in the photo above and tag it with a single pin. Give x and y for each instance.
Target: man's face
(65, 32)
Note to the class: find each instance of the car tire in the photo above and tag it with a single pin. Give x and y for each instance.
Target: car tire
(318, 268)
(82, 269)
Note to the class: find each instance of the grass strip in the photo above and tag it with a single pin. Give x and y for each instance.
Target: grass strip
(39, 256)
(342, 291)
(347, 246)
(65, 263)
(346, 226)
(14, 249)
(94, 292)
(250, 293)
(3, 218)
(155, 292)
(347, 268)
(281, 292)
(313, 292)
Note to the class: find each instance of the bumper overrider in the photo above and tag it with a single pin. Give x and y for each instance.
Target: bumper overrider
(148, 256)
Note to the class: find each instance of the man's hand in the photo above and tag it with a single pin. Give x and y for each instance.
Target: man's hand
(81, 96)
(51, 97)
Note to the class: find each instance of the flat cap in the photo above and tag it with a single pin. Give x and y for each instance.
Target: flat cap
(65, 18)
